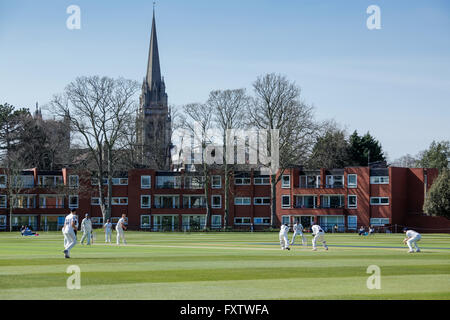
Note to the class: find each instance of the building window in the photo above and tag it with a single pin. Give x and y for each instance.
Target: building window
(216, 221)
(166, 201)
(194, 201)
(242, 201)
(379, 201)
(216, 182)
(119, 181)
(145, 221)
(241, 221)
(285, 219)
(241, 181)
(379, 180)
(95, 201)
(94, 181)
(51, 201)
(332, 201)
(259, 221)
(24, 201)
(119, 201)
(3, 180)
(2, 221)
(305, 201)
(168, 182)
(352, 180)
(3, 201)
(378, 222)
(145, 202)
(286, 181)
(285, 201)
(73, 202)
(352, 201)
(261, 181)
(50, 181)
(261, 201)
(23, 181)
(74, 181)
(334, 181)
(216, 201)
(194, 182)
(352, 222)
(309, 181)
(146, 182)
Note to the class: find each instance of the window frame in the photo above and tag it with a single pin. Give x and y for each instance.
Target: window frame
(149, 186)
(355, 206)
(242, 204)
(284, 206)
(149, 201)
(283, 186)
(353, 185)
(220, 201)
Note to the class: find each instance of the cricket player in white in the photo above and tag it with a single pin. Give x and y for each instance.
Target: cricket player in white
(86, 227)
(108, 230)
(298, 231)
(319, 235)
(120, 227)
(411, 239)
(70, 226)
(284, 241)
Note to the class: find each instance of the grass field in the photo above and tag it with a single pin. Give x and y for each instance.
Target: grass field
(224, 266)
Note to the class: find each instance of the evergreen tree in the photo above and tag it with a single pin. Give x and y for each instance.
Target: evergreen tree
(438, 199)
(436, 156)
(364, 150)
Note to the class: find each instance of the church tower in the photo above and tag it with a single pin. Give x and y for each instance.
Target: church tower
(154, 122)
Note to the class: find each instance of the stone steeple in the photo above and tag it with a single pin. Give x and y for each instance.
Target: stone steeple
(154, 123)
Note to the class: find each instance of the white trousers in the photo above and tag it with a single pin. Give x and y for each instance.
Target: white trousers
(86, 234)
(108, 236)
(70, 240)
(120, 234)
(284, 241)
(298, 233)
(412, 243)
(319, 237)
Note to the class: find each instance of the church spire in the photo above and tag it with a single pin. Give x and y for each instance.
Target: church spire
(153, 68)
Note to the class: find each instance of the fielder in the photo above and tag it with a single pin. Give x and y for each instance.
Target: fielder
(86, 227)
(411, 239)
(298, 230)
(284, 241)
(108, 230)
(319, 235)
(120, 227)
(70, 226)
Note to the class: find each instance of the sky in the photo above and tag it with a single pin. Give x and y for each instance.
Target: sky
(393, 82)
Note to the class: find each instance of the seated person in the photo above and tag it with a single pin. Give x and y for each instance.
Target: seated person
(371, 230)
(361, 231)
(22, 230)
(28, 232)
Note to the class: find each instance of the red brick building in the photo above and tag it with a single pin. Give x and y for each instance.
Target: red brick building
(175, 201)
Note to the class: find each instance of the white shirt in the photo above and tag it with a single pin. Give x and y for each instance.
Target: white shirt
(68, 223)
(108, 226)
(412, 234)
(316, 229)
(120, 224)
(86, 225)
(284, 229)
(298, 227)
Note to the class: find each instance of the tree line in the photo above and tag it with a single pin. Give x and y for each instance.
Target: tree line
(99, 114)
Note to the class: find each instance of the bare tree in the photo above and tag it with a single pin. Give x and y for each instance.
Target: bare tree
(99, 110)
(228, 108)
(277, 105)
(198, 123)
